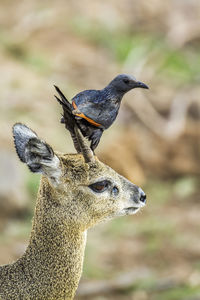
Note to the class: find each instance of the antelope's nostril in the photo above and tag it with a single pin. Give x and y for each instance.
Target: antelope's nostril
(143, 197)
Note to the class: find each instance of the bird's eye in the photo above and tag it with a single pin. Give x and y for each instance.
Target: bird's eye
(100, 187)
(126, 81)
(115, 191)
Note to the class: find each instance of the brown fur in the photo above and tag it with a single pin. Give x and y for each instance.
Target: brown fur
(51, 267)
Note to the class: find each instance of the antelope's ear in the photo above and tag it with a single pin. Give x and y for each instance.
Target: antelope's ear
(37, 154)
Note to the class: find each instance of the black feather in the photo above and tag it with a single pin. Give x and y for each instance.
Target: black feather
(68, 118)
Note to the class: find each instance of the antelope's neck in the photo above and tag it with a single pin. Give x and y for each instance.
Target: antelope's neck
(54, 258)
(54, 262)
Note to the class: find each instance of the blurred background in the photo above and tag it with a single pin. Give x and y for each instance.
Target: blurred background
(155, 141)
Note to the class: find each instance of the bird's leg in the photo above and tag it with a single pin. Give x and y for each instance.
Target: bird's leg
(95, 138)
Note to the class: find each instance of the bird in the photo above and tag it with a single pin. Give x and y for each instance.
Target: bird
(94, 111)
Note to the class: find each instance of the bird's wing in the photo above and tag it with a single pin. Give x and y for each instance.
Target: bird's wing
(87, 96)
(78, 113)
(90, 104)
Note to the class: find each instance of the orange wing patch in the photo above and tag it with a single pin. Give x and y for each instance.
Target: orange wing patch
(84, 117)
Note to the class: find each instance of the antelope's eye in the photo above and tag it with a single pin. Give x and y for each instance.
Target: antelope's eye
(100, 186)
(126, 81)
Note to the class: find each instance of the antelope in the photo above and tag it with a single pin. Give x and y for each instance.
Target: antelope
(76, 192)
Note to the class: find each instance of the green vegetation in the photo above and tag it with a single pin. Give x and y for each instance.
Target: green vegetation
(178, 293)
(170, 63)
(32, 184)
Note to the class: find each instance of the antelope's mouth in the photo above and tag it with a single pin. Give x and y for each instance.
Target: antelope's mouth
(131, 210)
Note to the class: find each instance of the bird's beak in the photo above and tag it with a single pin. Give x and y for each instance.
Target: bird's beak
(141, 85)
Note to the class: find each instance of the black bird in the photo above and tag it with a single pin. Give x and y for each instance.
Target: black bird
(95, 110)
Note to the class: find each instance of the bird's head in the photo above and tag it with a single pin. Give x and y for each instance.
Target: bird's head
(124, 83)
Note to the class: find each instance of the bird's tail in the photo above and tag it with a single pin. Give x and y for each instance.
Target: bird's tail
(63, 101)
(68, 118)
